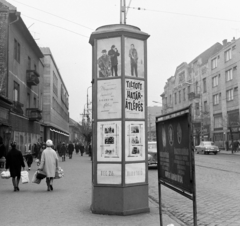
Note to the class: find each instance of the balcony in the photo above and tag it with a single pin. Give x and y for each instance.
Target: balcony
(17, 107)
(34, 114)
(32, 78)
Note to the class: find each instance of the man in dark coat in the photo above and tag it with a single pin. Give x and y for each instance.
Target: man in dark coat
(63, 151)
(2, 153)
(70, 149)
(14, 162)
(113, 53)
(81, 149)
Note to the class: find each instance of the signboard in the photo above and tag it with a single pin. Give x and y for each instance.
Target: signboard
(109, 174)
(134, 99)
(135, 140)
(109, 143)
(109, 99)
(135, 173)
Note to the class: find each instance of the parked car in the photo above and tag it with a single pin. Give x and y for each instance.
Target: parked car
(207, 147)
(152, 153)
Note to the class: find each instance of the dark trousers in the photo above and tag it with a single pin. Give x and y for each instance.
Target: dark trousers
(115, 69)
(134, 68)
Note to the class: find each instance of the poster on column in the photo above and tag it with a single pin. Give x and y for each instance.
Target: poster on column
(134, 99)
(108, 57)
(109, 141)
(109, 99)
(134, 141)
(134, 57)
(109, 174)
(135, 173)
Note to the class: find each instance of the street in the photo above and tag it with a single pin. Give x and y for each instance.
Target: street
(218, 192)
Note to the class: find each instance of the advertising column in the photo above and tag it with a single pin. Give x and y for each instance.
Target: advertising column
(119, 173)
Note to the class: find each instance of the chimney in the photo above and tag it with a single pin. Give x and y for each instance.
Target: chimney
(224, 42)
(233, 40)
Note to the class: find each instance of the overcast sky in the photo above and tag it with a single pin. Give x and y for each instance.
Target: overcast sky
(179, 32)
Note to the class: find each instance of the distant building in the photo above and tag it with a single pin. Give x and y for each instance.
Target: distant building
(75, 131)
(153, 111)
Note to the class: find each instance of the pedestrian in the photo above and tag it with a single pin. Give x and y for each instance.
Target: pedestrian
(113, 53)
(2, 152)
(14, 162)
(49, 164)
(81, 149)
(29, 159)
(63, 151)
(133, 60)
(70, 149)
(77, 147)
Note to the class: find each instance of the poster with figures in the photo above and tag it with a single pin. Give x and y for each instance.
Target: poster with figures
(109, 57)
(109, 173)
(135, 141)
(134, 99)
(134, 57)
(109, 143)
(109, 99)
(135, 173)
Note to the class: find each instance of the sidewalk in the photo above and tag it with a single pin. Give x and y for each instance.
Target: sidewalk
(229, 152)
(69, 203)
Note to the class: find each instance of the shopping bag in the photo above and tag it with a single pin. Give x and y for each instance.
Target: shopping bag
(41, 175)
(24, 177)
(34, 179)
(59, 173)
(5, 174)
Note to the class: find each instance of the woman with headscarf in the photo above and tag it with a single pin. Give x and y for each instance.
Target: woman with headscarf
(49, 164)
(14, 162)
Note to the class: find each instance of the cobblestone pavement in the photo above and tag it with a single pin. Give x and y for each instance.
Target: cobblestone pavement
(69, 203)
(218, 192)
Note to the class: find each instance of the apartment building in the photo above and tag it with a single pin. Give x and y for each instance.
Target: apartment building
(55, 101)
(21, 72)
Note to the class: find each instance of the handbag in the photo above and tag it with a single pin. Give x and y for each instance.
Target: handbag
(59, 173)
(40, 175)
(24, 177)
(5, 174)
(34, 179)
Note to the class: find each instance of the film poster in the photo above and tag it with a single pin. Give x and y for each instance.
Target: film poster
(109, 145)
(134, 99)
(135, 141)
(135, 173)
(109, 99)
(109, 174)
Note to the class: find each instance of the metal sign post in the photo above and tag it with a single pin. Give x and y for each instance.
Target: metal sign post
(176, 165)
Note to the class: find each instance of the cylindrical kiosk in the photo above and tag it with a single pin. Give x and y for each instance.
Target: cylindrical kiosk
(119, 72)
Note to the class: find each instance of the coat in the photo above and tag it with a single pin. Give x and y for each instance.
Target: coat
(113, 54)
(49, 162)
(14, 162)
(70, 148)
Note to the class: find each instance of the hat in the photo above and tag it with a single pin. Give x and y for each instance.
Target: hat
(104, 51)
(113, 46)
(49, 143)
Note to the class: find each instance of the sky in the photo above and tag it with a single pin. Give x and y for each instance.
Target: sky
(179, 31)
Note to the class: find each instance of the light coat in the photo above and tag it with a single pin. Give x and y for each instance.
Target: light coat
(49, 162)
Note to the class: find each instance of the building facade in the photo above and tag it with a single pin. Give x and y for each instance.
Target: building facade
(75, 132)
(55, 101)
(21, 72)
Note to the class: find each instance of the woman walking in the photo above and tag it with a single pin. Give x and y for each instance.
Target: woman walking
(49, 164)
(14, 162)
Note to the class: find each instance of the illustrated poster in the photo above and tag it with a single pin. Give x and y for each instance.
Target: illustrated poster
(109, 142)
(135, 141)
(134, 57)
(109, 57)
(109, 99)
(109, 174)
(134, 99)
(135, 173)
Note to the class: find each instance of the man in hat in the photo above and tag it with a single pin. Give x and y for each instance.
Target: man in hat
(133, 60)
(104, 64)
(113, 53)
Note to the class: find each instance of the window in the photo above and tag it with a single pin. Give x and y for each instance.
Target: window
(228, 55)
(204, 85)
(184, 97)
(215, 81)
(16, 51)
(214, 63)
(216, 99)
(197, 108)
(218, 121)
(179, 94)
(205, 106)
(29, 63)
(229, 94)
(16, 91)
(229, 75)
(175, 94)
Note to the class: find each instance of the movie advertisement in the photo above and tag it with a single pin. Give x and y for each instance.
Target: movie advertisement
(109, 99)
(134, 141)
(109, 57)
(109, 174)
(134, 57)
(109, 143)
(134, 99)
(135, 173)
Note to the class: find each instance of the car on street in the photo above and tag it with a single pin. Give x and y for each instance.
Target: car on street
(206, 147)
(152, 154)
